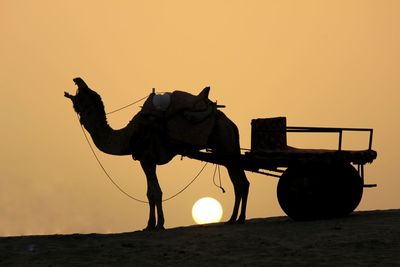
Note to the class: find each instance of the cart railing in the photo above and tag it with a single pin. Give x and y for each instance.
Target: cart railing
(340, 131)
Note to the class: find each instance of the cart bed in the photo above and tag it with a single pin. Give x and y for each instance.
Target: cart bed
(284, 158)
(269, 149)
(270, 160)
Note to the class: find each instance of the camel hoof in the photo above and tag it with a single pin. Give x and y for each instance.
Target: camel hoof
(154, 228)
(149, 228)
(230, 222)
(241, 221)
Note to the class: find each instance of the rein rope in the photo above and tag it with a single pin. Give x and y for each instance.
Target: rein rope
(124, 107)
(116, 185)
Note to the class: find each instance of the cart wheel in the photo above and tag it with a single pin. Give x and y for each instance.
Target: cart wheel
(319, 190)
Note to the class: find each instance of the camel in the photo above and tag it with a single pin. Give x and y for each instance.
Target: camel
(146, 141)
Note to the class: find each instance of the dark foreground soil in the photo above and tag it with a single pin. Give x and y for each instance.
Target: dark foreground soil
(369, 238)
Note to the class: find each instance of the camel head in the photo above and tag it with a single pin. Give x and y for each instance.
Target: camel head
(86, 102)
(82, 87)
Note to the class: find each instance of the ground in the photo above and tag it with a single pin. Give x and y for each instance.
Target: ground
(368, 238)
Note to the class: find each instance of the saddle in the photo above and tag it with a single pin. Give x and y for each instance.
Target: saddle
(186, 118)
(195, 107)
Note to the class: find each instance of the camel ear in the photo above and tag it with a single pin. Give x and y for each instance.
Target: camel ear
(80, 83)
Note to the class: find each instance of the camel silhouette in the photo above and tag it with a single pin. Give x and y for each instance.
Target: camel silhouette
(156, 134)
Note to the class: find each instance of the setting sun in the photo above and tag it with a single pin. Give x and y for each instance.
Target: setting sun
(207, 210)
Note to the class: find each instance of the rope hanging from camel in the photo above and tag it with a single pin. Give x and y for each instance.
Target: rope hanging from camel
(122, 190)
(105, 171)
(219, 177)
(112, 180)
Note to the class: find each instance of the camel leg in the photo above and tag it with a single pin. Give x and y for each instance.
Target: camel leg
(151, 223)
(241, 188)
(244, 185)
(237, 197)
(154, 196)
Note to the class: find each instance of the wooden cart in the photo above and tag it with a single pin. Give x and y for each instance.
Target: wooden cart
(313, 183)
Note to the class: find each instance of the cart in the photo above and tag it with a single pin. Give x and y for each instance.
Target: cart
(313, 183)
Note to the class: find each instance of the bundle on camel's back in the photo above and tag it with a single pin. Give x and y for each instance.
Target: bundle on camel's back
(168, 125)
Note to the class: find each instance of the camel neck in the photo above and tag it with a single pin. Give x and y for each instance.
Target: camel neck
(107, 139)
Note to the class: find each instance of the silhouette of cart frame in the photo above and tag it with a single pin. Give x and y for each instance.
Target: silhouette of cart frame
(313, 183)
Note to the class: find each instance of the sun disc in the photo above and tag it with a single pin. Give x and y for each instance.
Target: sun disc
(207, 210)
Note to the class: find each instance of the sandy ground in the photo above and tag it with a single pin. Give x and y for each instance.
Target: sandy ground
(369, 238)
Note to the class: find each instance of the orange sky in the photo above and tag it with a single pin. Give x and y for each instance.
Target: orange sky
(317, 63)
